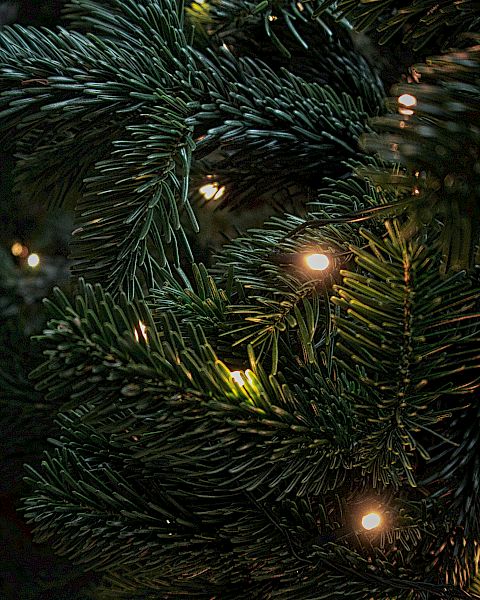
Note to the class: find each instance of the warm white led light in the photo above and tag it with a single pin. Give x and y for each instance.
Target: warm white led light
(371, 520)
(317, 262)
(33, 260)
(407, 102)
(212, 191)
(239, 377)
(16, 249)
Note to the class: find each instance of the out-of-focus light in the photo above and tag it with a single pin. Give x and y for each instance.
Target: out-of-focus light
(407, 102)
(33, 260)
(16, 249)
(371, 521)
(143, 331)
(317, 262)
(212, 191)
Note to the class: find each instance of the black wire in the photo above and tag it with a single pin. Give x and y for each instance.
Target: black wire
(446, 592)
(356, 217)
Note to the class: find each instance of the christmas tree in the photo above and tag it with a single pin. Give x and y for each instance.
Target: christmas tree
(291, 410)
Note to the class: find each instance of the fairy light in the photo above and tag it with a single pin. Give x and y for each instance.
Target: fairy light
(371, 521)
(33, 260)
(407, 102)
(239, 377)
(212, 191)
(16, 249)
(143, 330)
(317, 262)
(272, 18)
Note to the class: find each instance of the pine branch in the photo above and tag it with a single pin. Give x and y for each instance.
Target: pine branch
(437, 142)
(94, 471)
(418, 22)
(407, 333)
(132, 206)
(282, 303)
(219, 18)
(285, 124)
(284, 35)
(68, 90)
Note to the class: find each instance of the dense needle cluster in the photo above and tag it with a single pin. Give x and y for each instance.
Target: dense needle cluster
(225, 428)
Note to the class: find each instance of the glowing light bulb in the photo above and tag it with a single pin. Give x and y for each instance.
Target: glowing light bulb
(212, 191)
(239, 377)
(272, 18)
(317, 262)
(143, 331)
(371, 521)
(406, 100)
(33, 260)
(16, 249)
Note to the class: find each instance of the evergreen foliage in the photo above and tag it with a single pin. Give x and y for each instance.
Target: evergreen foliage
(438, 146)
(357, 386)
(418, 23)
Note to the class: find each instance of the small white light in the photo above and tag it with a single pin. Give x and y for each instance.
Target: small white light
(212, 191)
(371, 521)
(239, 377)
(317, 262)
(33, 260)
(143, 331)
(407, 102)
